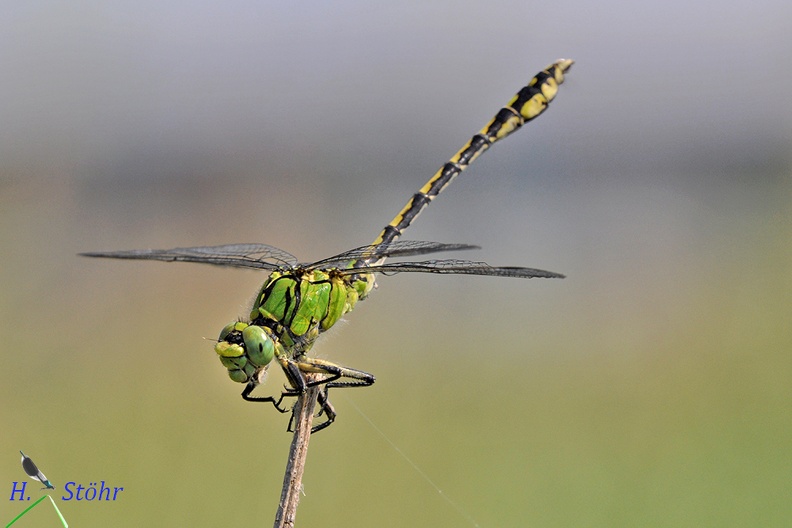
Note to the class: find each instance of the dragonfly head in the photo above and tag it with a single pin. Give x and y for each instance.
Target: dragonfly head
(245, 350)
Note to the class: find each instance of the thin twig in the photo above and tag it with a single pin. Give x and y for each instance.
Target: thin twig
(292, 480)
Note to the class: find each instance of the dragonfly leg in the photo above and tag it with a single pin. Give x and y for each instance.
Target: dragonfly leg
(325, 407)
(295, 369)
(351, 377)
(357, 378)
(330, 373)
(271, 399)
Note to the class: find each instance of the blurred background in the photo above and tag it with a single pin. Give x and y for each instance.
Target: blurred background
(652, 387)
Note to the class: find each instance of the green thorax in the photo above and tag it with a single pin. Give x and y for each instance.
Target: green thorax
(298, 304)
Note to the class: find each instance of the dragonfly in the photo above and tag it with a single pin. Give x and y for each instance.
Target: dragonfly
(299, 301)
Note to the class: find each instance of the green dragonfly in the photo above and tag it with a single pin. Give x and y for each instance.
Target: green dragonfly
(298, 301)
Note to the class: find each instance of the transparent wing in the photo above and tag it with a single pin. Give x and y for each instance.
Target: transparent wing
(252, 256)
(457, 267)
(402, 248)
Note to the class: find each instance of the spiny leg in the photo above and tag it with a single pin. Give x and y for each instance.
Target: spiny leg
(359, 379)
(333, 372)
(320, 366)
(295, 371)
(325, 407)
(267, 399)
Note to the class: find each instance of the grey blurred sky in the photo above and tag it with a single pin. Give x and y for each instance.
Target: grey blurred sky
(89, 86)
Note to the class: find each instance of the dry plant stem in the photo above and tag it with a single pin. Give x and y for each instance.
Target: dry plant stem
(292, 480)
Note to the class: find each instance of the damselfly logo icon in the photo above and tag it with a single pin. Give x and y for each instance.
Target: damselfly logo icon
(18, 490)
(34, 472)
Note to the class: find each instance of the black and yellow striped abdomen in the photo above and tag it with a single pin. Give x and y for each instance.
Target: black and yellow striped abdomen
(526, 105)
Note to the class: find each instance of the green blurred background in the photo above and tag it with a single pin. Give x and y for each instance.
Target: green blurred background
(652, 387)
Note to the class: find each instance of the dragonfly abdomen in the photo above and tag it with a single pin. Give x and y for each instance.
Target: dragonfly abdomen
(527, 104)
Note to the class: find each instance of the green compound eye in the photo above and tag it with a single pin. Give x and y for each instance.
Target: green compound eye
(259, 346)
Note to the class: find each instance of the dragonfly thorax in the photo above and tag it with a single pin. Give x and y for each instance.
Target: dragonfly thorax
(299, 304)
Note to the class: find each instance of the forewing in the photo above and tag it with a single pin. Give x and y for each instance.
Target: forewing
(401, 248)
(458, 267)
(252, 256)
